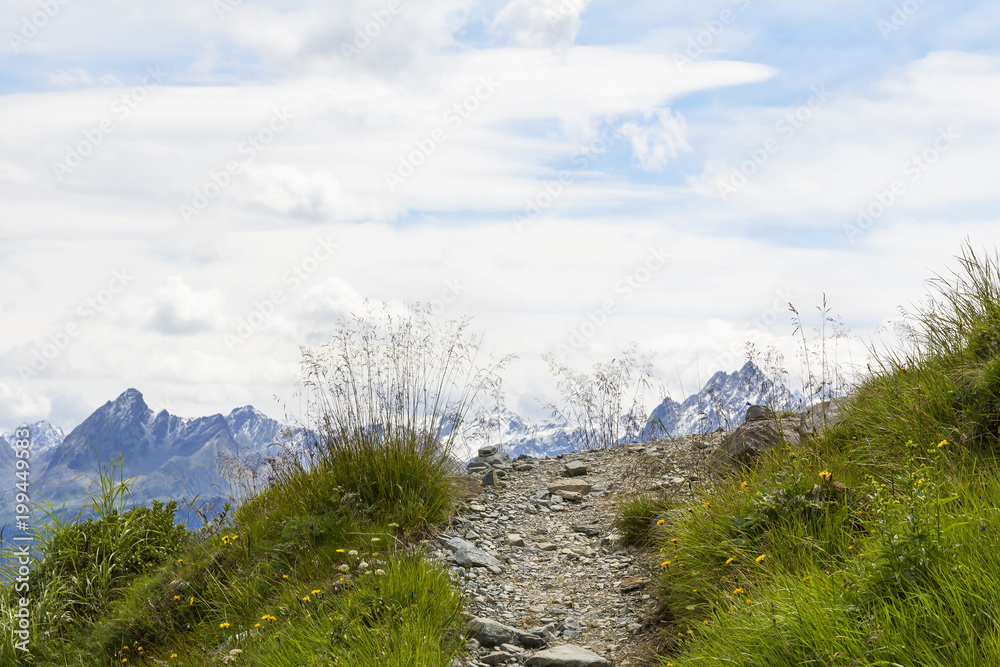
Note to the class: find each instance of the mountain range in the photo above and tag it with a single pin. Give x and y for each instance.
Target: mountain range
(171, 457)
(721, 403)
(179, 458)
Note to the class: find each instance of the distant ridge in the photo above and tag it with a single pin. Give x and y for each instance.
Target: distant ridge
(722, 402)
(172, 457)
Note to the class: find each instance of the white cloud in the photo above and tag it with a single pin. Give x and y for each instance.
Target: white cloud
(333, 300)
(657, 143)
(541, 23)
(78, 78)
(450, 220)
(178, 309)
(18, 405)
(839, 156)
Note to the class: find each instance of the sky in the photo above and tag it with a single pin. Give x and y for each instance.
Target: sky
(190, 192)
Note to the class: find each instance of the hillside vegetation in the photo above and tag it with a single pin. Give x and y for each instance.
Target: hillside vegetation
(323, 568)
(876, 544)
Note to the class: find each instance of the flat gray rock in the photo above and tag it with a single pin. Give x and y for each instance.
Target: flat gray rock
(476, 557)
(575, 486)
(566, 655)
(490, 633)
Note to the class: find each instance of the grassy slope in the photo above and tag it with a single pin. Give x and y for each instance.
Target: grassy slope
(316, 571)
(875, 545)
(322, 569)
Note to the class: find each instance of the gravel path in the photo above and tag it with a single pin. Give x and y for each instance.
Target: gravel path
(540, 562)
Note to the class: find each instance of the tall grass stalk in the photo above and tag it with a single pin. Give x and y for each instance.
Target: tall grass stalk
(605, 407)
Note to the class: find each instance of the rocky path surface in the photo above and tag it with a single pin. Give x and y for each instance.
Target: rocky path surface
(548, 582)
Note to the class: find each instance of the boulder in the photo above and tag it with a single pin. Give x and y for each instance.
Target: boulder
(575, 469)
(566, 655)
(757, 413)
(753, 438)
(490, 633)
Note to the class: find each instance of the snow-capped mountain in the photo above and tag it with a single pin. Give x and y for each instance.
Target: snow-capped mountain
(546, 438)
(44, 437)
(722, 402)
(172, 457)
(252, 429)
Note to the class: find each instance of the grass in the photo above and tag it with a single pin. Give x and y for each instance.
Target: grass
(876, 544)
(323, 568)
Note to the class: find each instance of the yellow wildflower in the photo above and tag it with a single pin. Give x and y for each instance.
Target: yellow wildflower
(737, 591)
(760, 557)
(177, 597)
(826, 475)
(660, 522)
(729, 560)
(942, 444)
(707, 503)
(665, 563)
(223, 625)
